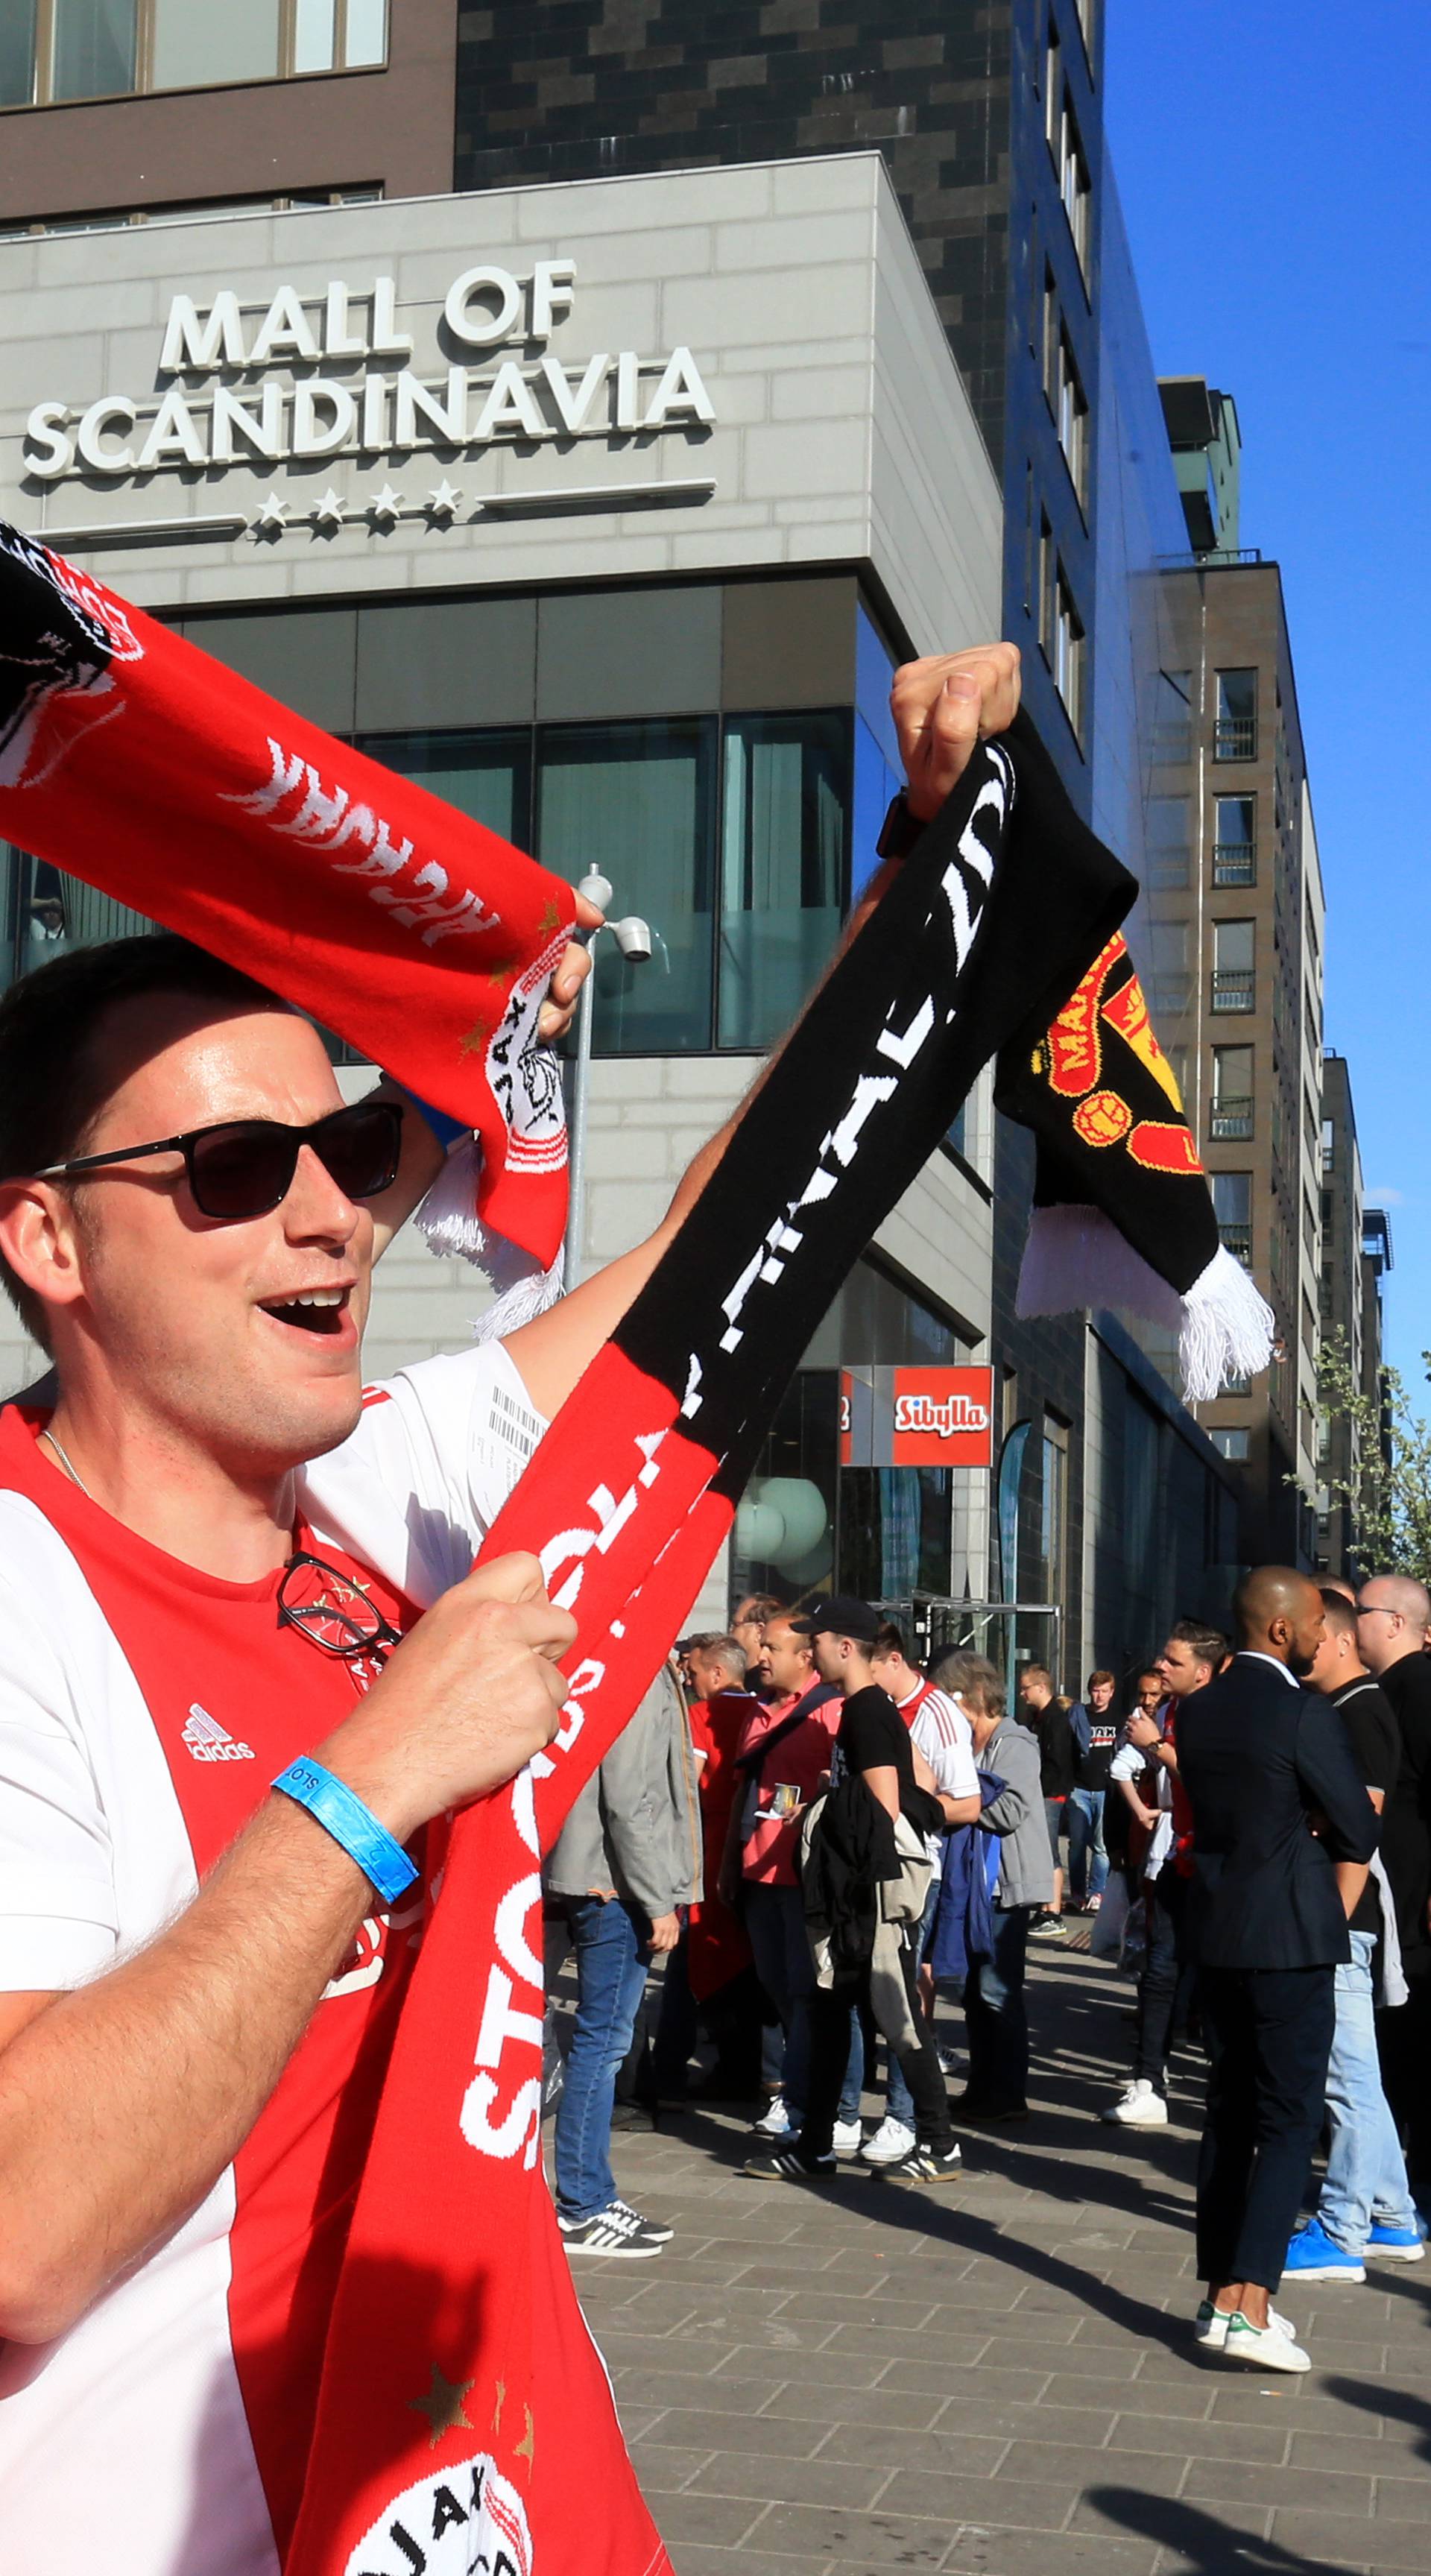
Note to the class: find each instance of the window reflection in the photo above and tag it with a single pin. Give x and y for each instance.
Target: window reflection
(782, 868)
(95, 48)
(635, 801)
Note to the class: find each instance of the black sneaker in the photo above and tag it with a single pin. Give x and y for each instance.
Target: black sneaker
(652, 2227)
(615, 2230)
(931, 2164)
(789, 2166)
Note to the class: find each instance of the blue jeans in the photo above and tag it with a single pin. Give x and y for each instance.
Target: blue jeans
(612, 1958)
(785, 1964)
(1085, 1836)
(898, 2100)
(1366, 2171)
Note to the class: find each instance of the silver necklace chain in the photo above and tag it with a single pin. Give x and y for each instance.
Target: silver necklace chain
(67, 1463)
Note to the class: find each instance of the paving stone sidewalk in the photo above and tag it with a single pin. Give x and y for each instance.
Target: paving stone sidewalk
(996, 2378)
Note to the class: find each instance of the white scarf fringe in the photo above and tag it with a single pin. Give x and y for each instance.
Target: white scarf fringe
(450, 1226)
(1075, 1256)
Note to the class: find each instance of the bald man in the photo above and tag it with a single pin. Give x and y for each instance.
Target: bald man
(1392, 1618)
(1259, 1759)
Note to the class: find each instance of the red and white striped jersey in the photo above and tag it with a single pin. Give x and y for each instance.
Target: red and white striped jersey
(144, 1709)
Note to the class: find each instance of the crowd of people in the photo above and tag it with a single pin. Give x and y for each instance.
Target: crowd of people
(820, 1838)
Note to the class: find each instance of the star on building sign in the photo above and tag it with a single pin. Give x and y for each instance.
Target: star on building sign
(444, 500)
(273, 514)
(331, 511)
(443, 2406)
(386, 504)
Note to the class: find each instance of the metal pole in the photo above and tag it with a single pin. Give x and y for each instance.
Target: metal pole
(581, 1080)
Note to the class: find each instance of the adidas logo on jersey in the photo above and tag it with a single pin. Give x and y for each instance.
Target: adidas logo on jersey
(210, 1742)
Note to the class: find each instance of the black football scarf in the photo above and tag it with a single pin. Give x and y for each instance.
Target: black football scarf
(455, 2272)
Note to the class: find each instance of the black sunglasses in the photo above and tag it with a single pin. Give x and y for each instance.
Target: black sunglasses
(331, 1610)
(244, 1167)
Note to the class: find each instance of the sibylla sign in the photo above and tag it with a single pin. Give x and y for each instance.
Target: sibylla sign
(329, 372)
(917, 1417)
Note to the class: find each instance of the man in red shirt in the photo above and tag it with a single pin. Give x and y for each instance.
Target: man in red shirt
(782, 1761)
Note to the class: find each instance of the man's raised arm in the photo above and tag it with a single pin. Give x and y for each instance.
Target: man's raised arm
(942, 707)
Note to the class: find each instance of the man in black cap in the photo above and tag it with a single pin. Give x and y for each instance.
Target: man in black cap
(876, 1778)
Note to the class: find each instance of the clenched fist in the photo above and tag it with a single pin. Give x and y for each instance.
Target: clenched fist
(467, 1699)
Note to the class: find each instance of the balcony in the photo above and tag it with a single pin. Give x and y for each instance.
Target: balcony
(1234, 988)
(1234, 863)
(1237, 1239)
(1235, 738)
(1231, 1119)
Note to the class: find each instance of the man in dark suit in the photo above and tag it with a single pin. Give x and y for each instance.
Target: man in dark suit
(1276, 1801)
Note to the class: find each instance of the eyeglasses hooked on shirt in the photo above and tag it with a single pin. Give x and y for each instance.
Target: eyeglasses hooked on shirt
(332, 1611)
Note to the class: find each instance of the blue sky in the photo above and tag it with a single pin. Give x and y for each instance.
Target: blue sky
(1273, 166)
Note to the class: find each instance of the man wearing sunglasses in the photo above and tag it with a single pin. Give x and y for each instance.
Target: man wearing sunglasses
(214, 1544)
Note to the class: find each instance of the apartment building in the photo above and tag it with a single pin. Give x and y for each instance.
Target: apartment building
(1240, 944)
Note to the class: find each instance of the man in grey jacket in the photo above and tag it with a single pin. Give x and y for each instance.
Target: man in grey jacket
(995, 2013)
(628, 1855)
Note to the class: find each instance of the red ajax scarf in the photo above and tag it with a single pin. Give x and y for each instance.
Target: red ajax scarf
(136, 762)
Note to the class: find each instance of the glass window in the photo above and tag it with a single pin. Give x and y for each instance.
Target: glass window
(46, 913)
(95, 48)
(1234, 979)
(17, 53)
(1235, 729)
(784, 1535)
(635, 801)
(1053, 1508)
(314, 35)
(1234, 1445)
(1232, 1205)
(1234, 852)
(1071, 414)
(896, 1531)
(486, 775)
(1232, 1092)
(366, 37)
(195, 47)
(782, 868)
(1067, 654)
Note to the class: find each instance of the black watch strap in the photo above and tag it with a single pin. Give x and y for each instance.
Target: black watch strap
(900, 830)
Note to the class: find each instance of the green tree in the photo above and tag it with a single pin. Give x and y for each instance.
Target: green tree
(1389, 1485)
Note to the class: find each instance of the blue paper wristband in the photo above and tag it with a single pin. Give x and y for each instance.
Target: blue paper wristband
(350, 1823)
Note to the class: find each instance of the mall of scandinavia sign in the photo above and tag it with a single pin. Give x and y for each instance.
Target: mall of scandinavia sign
(358, 393)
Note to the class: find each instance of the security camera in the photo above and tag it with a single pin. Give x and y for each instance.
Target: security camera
(633, 938)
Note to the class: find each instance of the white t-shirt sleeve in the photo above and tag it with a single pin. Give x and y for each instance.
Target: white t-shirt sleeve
(1127, 1763)
(944, 1737)
(415, 1489)
(59, 1913)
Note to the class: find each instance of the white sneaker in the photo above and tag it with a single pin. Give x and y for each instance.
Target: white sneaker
(777, 2122)
(891, 2143)
(1210, 2326)
(1268, 2347)
(1140, 2107)
(848, 2134)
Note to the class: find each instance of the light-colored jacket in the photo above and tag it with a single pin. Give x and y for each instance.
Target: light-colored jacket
(1017, 1817)
(636, 1825)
